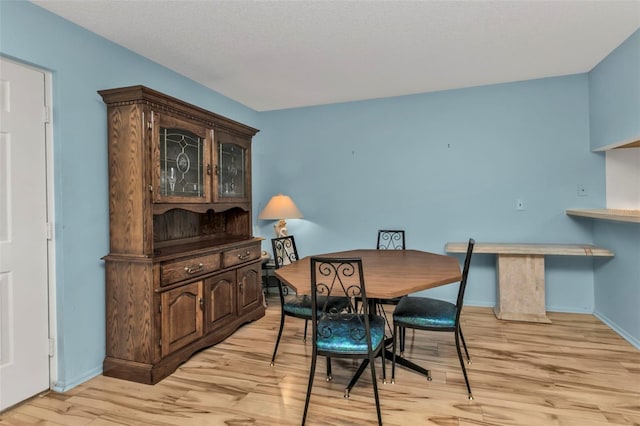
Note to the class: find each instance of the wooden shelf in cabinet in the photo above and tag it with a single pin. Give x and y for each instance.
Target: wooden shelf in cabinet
(159, 208)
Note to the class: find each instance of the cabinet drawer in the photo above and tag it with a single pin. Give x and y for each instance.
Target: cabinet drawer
(240, 255)
(175, 271)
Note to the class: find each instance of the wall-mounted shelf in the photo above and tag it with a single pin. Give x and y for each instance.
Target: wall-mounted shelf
(629, 143)
(607, 214)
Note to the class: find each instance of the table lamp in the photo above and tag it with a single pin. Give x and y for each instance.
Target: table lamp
(280, 207)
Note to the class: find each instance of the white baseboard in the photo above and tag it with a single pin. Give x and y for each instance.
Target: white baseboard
(626, 336)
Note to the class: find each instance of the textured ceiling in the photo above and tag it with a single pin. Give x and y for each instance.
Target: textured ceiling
(271, 55)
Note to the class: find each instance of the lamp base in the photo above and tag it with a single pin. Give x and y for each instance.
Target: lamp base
(280, 228)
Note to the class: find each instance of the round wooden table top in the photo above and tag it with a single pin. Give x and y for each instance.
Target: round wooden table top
(387, 273)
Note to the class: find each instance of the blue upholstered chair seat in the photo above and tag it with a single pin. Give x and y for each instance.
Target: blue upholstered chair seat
(300, 306)
(338, 335)
(424, 312)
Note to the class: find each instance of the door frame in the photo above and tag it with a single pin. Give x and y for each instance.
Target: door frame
(51, 242)
(50, 206)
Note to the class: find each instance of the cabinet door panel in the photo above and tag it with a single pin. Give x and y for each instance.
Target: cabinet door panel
(181, 316)
(220, 295)
(249, 287)
(182, 161)
(233, 168)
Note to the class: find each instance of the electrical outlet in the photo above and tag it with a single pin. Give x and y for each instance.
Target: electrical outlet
(519, 204)
(582, 191)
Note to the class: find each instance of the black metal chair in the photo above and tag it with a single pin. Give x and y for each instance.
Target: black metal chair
(284, 253)
(343, 333)
(391, 239)
(422, 313)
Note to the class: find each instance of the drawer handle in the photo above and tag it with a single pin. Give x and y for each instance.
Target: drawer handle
(193, 269)
(244, 256)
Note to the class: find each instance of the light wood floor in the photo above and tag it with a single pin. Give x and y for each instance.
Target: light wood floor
(574, 372)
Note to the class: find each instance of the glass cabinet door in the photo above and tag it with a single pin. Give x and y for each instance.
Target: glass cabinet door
(232, 171)
(184, 158)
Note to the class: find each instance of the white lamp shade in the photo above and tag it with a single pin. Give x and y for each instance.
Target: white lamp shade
(280, 207)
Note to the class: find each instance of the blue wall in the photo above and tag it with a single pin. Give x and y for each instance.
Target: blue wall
(82, 63)
(617, 283)
(445, 166)
(614, 92)
(614, 87)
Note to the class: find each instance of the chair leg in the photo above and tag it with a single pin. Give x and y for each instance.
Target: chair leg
(393, 359)
(382, 313)
(275, 350)
(384, 363)
(403, 332)
(312, 372)
(381, 353)
(306, 323)
(375, 386)
(464, 370)
(329, 375)
(464, 345)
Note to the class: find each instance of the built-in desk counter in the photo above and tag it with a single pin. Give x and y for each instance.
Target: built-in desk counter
(520, 270)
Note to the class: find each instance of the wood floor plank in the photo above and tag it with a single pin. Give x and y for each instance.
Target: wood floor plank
(573, 372)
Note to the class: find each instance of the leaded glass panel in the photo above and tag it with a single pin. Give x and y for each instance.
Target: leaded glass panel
(232, 170)
(181, 163)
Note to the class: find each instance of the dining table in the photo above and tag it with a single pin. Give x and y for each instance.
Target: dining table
(387, 274)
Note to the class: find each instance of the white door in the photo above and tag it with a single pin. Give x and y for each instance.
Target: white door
(24, 305)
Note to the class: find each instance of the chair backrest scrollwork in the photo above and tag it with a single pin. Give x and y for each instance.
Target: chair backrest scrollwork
(339, 277)
(284, 250)
(390, 239)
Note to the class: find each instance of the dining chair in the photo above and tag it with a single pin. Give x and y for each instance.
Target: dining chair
(284, 253)
(391, 239)
(423, 313)
(343, 333)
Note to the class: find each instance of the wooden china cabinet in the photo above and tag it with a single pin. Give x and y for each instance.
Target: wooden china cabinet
(183, 271)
